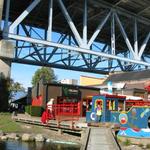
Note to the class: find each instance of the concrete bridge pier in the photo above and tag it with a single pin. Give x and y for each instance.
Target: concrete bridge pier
(6, 49)
(6, 54)
(5, 66)
(1, 11)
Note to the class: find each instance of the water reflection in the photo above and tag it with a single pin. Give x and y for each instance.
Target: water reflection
(2, 145)
(16, 145)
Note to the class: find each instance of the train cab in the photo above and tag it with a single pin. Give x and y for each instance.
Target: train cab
(108, 103)
(116, 109)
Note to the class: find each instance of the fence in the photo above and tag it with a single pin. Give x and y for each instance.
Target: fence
(63, 112)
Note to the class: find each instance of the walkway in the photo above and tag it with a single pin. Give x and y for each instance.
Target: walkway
(100, 139)
(53, 124)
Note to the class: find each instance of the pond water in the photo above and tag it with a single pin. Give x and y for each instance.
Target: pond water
(16, 145)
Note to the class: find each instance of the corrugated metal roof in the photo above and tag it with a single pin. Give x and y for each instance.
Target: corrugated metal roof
(129, 76)
(18, 95)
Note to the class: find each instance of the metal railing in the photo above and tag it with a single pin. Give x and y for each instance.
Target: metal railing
(62, 112)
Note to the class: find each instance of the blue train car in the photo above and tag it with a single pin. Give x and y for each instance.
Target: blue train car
(114, 110)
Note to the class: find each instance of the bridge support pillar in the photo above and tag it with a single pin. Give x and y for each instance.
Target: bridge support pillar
(1, 11)
(5, 68)
(6, 54)
(6, 49)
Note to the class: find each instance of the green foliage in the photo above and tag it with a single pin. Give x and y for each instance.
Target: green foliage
(15, 86)
(141, 145)
(7, 124)
(36, 111)
(119, 139)
(28, 109)
(46, 73)
(6, 87)
(127, 142)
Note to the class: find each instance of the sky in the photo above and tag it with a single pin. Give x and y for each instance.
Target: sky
(23, 73)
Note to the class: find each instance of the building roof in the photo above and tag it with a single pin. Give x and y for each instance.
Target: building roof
(91, 81)
(92, 77)
(16, 96)
(129, 76)
(140, 86)
(72, 86)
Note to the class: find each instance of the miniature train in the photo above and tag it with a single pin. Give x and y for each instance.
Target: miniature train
(116, 109)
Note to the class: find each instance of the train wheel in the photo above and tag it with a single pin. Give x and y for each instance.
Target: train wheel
(149, 122)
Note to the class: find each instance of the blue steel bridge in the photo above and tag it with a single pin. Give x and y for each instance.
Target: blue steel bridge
(98, 36)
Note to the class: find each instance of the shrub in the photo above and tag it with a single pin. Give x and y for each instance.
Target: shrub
(148, 146)
(36, 111)
(119, 140)
(127, 142)
(141, 145)
(28, 109)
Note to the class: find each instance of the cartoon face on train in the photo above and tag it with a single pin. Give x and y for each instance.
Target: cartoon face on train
(98, 102)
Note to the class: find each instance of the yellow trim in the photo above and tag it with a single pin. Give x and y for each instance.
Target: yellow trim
(111, 105)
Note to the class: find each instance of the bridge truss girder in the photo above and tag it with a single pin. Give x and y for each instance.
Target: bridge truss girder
(70, 50)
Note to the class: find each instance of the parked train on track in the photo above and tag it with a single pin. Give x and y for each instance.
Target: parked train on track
(116, 109)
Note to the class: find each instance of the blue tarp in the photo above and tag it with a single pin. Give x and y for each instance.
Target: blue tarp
(18, 95)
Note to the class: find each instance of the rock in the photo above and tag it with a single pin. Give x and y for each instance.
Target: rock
(17, 138)
(132, 147)
(12, 136)
(39, 138)
(1, 133)
(4, 137)
(27, 138)
(144, 146)
(48, 140)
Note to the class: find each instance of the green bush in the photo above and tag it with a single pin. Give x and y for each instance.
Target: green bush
(127, 142)
(28, 109)
(36, 111)
(148, 146)
(141, 145)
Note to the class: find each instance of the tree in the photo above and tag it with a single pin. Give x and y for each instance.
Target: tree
(7, 87)
(15, 86)
(46, 73)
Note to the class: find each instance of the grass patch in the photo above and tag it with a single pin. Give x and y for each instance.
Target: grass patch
(7, 124)
(127, 142)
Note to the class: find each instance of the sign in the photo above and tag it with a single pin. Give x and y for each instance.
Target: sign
(109, 84)
(70, 92)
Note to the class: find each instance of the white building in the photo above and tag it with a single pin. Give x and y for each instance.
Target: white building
(69, 81)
